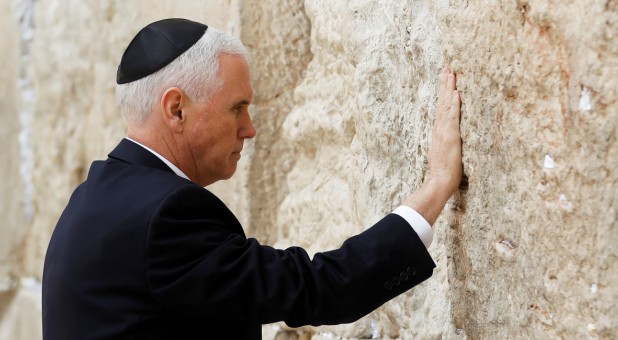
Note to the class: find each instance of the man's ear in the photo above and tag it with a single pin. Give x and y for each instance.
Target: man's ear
(172, 103)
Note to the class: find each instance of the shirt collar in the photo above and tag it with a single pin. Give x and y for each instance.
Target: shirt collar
(168, 163)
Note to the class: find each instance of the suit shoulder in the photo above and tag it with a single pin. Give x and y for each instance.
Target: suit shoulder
(192, 199)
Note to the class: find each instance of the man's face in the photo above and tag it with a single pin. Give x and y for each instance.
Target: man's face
(216, 130)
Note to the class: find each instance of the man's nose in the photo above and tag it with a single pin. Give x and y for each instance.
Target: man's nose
(247, 130)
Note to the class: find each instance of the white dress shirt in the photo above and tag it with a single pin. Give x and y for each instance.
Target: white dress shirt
(414, 219)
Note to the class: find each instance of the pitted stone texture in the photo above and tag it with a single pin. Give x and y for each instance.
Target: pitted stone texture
(359, 129)
(13, 215)
(545, 229)
(538, 80)
(20, 312)
(276, 34)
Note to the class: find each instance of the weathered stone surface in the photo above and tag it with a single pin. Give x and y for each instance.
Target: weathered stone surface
(538, 80)
(277, 35)
(344, 106)
(20, 311)
(12, 187)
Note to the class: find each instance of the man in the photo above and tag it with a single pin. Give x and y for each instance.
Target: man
(143, 251)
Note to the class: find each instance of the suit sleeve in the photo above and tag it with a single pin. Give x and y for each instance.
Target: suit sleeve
(197, 265)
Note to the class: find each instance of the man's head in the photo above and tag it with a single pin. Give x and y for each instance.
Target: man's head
(194, 70)
(193, 110)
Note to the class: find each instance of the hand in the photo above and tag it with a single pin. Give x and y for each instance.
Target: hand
(445, 165)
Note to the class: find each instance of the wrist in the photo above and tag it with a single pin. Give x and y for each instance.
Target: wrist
(430, 199)
(441, 187)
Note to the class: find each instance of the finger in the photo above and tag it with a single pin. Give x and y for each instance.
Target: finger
(448, 94)
(443, 78)
(455, 109)
(450, 83)
(442, 90)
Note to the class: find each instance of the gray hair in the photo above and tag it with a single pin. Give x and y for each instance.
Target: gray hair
(195, 72)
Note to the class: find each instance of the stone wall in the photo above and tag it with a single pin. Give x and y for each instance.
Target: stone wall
(344, 106)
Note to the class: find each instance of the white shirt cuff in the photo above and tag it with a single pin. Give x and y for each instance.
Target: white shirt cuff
(418, 223)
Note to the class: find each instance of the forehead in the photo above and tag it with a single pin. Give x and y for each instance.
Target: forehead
(234, 72)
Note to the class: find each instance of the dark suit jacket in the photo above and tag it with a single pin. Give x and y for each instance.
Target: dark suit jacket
(141, 253)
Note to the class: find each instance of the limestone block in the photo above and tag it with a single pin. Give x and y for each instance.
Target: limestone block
(277, 36)
(20, 312)
(13, 171)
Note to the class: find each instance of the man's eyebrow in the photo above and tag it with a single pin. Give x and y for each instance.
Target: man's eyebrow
(243, 102)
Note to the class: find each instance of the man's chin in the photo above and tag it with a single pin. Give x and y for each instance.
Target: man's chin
(231, 172)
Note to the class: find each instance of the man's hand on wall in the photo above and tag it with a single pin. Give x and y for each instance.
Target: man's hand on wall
(445, 164)
(445, 151)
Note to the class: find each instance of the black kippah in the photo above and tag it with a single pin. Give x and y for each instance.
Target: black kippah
(157, 45)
